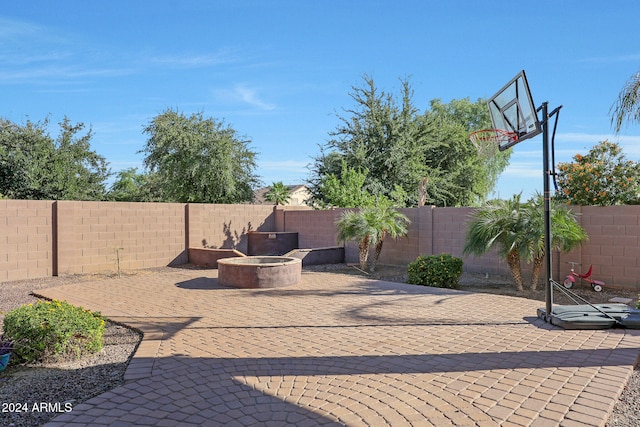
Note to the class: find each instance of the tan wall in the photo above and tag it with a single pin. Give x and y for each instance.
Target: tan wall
(614, 235)
(26, 239)
(93, 235)
(44, 238)
(316, 229)
(226, 226)
(432, 231)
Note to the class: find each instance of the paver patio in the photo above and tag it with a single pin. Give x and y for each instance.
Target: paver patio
(345, 350)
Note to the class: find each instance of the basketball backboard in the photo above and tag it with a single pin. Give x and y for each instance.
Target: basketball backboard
(512, 109)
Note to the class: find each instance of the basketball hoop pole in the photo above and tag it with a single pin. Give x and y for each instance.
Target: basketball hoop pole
(513, 111)
(548, 292)
(547, 172)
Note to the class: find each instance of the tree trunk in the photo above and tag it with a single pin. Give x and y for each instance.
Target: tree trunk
(422, 191)
(363, 247)
(537, 267)
(513, 260)
(376, 255)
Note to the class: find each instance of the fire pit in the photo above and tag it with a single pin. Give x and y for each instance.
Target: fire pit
(259, 271)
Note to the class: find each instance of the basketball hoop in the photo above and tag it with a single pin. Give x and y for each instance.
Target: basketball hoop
(488, 139)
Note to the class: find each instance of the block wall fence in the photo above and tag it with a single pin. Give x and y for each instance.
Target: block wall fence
(50, 238)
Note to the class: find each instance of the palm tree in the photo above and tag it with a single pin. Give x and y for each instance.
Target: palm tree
(500, 224)
(369, 226)
(278, 194)
(391, 222)
(566, 233)
(353, 225)
(627, 106)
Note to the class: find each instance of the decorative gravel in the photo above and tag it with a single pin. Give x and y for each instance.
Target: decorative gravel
(31, 395)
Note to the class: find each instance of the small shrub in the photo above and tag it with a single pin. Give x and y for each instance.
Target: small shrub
(442, 271)
(638, 305)
(49, 330)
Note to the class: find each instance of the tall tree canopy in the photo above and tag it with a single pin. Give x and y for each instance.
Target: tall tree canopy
(198, 159)
(33, 165)
(410, 157)
(131, 186)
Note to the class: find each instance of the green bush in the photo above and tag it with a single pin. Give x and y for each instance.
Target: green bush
(50, 330)
(442, 271)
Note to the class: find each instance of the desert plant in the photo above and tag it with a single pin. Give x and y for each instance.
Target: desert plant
(391, 222)
(352, 225)
(500, 225)
(442, 271)
(49, 330)
(369, 226)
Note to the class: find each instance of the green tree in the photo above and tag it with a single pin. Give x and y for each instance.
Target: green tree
(130, 186)
(469, 174)
(369, 226)
(198, 159)
(345, 189)
(380, 136)
(278, 194)
(35, 166)
(500, 225)
(627, 105)
(409, 157)
(352, 225)
(391, 222)
(516, 230)
(602, 177)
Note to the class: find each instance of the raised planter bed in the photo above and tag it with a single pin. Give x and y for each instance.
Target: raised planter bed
(271, 243)
(208, 257)
(317, 256)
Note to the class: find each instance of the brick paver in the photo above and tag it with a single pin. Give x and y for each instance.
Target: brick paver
(342, 350)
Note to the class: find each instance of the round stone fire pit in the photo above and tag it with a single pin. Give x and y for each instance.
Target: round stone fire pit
(259, 271)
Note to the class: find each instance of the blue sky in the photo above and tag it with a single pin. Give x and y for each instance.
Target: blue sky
(280, 71)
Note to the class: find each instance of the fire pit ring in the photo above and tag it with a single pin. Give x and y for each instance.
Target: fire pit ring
(259, 271)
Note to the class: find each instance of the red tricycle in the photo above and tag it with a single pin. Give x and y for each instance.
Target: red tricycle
(571, 278)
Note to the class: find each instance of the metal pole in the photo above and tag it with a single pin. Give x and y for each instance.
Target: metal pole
(547, 211)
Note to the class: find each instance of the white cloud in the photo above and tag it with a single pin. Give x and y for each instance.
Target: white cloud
(241, 93)
(224, 56)
(523, 170)
(251, 97)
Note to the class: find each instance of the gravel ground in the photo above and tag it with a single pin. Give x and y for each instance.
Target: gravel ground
(32, 394)
(62, 385)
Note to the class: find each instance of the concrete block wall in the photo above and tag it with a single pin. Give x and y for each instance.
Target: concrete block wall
(449, 234)
(225, 226)
(92, 236)
(44, 238)
(612, 249)
(432, 231)
(316, 229)
(26, 239)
